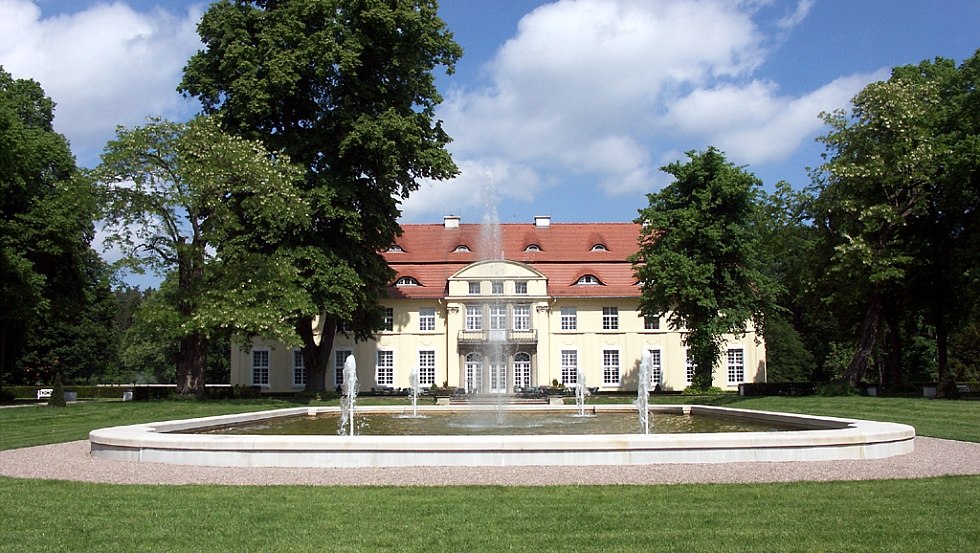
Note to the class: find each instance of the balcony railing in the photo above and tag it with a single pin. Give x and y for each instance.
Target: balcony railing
(476, 337)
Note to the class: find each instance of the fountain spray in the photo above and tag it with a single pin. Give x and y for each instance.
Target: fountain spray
(350, 396)
(643, 393)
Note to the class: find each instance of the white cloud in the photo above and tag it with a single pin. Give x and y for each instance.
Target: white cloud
(753, 123)
(105, 66)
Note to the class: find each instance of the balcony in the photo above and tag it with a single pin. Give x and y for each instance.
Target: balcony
(479, 337)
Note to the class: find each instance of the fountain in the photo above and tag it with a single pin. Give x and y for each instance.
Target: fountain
(580, 392)
(350, 396)
(643, 392)
(413, 381)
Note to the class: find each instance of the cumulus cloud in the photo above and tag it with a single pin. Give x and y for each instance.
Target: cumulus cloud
(105, 66)
(609, 90)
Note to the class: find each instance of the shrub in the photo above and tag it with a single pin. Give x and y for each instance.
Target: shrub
(57, 393)
(837, 388)
(697, 391)
(947, 388)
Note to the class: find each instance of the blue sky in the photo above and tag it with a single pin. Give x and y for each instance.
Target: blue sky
(569, 107)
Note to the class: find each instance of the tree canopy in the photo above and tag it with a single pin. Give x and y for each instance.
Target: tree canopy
(194, 203)
(347, 90)
(698, 262)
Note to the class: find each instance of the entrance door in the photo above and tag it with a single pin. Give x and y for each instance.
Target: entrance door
(522, 370)
(474, 373)
(498, 374)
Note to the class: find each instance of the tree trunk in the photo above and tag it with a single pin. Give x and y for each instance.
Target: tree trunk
(869, 332)
(892, 375)
(316, 356)
(191, 361)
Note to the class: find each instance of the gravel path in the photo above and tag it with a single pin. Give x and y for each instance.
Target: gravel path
(71, 461)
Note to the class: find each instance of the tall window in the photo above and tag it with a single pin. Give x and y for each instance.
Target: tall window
(339, 358)
(688, 366)
(260, 367)
(384, 373)
(569, 366)
(522, 370)
(389, 319)
(427, 367)
(498, 317)
(474, 288)
(427, 318)
(474, 317)
(610, 318)
(474, 372)
(522, 317)
(610, 366)
(569, 318)
(299, 368)
(497, 288)
(520, 287)
(736, 365)
(656, 368)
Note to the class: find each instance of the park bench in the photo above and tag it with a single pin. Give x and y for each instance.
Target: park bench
(44, 393)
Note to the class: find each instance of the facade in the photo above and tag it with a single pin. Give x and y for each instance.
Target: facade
(499, 308)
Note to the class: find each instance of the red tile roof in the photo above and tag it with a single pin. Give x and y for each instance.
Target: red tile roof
(566, 254)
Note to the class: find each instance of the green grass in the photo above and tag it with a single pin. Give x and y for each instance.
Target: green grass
(897, 516)
(936, 514)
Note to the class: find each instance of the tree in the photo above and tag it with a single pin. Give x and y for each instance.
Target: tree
(46, 215)
(347, 90)
(197, 204)
(898, 202)
(698, 262)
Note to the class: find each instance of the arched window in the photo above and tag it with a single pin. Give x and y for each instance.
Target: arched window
(532, 248)
(407, 281)
(462, 248)
(588, 280)
(396, 249)
(600, 248)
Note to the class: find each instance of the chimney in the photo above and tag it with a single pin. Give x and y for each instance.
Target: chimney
(451, 221)
(542, 221)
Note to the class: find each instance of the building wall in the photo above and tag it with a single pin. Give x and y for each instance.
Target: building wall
(588, 340)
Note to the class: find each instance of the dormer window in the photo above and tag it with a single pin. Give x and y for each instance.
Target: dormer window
(462, 248)
(407, 281)
(532, 248)
(599, 248)
(396, 249)
(588, 280)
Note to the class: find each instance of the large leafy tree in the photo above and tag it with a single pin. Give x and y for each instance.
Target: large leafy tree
(346, 88)
(46, 271)
(195, 203)
(699, 261)
(898, 202)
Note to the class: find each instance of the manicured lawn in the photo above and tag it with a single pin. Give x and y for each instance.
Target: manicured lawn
(896, 516)
(937, 514)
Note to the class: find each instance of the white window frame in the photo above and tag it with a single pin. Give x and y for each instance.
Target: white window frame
(389, 321)
(522, 317)
(569, 366)
(474, 287)
(735, 360)
(611, 367)
(260, 371)
(474, 318)
(299, 369)
(427, 367)
(520, 287)
(498, 316)
(688, 366)
(384, 367)
(569, 318)
(339, 358)
(656, 366)
(497, 287)
(427, 319)
(522, 369)
(610, 318)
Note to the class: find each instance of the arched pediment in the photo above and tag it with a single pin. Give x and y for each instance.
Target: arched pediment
(499, 269)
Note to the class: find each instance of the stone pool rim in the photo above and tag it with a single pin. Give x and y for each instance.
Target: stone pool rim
(825, 439)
